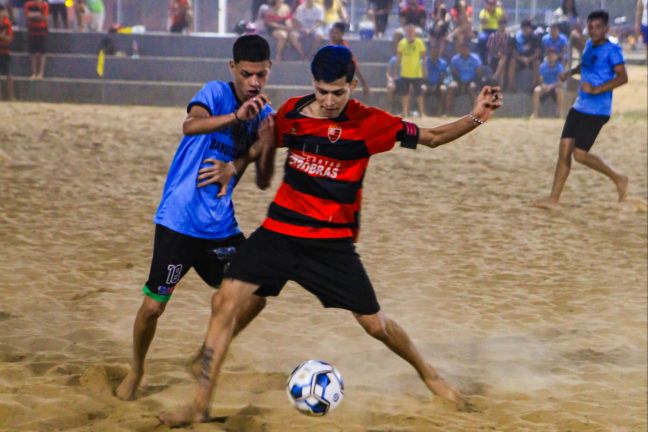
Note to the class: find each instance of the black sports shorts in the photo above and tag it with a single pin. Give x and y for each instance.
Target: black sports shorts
(583, 128)
(37, 44)
(5, 61)
(174, 254)
(328, 268)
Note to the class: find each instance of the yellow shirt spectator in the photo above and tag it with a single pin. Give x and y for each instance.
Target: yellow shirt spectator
(490, 19)
(336, 12)
(411, 57)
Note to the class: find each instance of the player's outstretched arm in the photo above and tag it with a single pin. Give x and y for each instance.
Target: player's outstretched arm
(200, 122)
(489, 99)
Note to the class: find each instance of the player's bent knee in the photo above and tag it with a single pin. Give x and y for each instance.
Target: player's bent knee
(374, 325)
(152, 309)
(580, 155)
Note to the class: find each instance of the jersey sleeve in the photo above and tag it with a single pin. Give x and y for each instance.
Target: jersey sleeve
(208, 97)
(385, 129)
(616, 56)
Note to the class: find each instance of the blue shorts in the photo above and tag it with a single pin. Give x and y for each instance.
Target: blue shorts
(644, 33)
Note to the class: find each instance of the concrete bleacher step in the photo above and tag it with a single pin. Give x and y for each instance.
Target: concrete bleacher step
(178, 69)
(209, 46)
(156, 93)
(178, 94)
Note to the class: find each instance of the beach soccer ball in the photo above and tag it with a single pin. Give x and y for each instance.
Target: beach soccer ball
(315, 388)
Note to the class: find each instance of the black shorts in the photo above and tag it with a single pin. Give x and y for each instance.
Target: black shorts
(583, 128)
(403, 86)
(174, 254)
(37, 44)
(5, 61)
(328, 268)
(550, 94)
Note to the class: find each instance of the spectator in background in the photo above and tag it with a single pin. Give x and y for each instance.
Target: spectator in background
(276, 19)
(436, 69)
(498, 45)
(571, 24)
(97, 13)
(16, 13)
(411, 57)
(550, 84)
(393, 71)
(379, 11)
(467, 72)
(180, 16)
(6, 35)
(334, 11)
(641, 23)
(412, 13)
(36, 13)
(336, 37)
(255, 6)
(461, 22)
(525, 53)
(556, 41)
(439, 25)
(309, 21)
(489, 19)
(80, 15)
(58, 11)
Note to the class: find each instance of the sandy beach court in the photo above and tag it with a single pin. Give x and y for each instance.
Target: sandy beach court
(539, 316)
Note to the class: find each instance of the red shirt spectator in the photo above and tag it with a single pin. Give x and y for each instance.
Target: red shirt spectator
(6, 34)
(36, 12)
(413, 13)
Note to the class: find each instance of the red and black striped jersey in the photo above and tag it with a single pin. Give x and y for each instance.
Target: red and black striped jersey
(321, 192)
(7, 31)
(36, 25)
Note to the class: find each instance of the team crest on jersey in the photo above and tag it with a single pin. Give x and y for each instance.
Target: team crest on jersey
(334, 133)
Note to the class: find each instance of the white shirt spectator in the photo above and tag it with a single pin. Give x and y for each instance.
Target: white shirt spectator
(310, 17)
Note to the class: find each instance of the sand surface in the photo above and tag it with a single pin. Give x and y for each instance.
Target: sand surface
(539, 316)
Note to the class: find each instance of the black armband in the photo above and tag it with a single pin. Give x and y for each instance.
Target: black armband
(408, 136)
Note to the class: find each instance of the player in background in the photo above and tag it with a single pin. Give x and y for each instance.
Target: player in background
(602, 69)
(195, 222)
(6, 35)
(309, 233)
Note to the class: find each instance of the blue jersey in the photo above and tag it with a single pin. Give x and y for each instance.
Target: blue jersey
(436, 72)
(597, 67)
(558, 44)
(197, 212)
(467, 67)
(550, 74)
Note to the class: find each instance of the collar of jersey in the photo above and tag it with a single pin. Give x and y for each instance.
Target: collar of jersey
(239, 102)
(301, 104)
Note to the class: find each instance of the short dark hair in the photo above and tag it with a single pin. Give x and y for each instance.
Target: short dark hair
(2, 7)
(599, 14)
(340, 25)
(333, 62)
(526, 23)
(252, 48)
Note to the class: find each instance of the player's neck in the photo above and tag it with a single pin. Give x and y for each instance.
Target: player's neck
(600, 42)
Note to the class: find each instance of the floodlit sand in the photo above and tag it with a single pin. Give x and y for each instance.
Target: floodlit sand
(539, 316)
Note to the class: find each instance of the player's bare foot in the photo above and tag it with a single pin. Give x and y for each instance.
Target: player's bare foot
(126, 390)
(622, 188)
(183, 417)
(441, 388)
(545, 203)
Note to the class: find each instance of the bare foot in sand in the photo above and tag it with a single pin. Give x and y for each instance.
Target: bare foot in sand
(441, 388)
(128, 387)
(183, 417)
(622, 188)
(545, 203)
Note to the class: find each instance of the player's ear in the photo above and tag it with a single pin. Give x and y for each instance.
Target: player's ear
(353, 84)
(232, 65)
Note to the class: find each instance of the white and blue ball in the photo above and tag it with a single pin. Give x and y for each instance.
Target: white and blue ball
(315, 388)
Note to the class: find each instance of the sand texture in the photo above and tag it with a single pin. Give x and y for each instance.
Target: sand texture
(539, 316)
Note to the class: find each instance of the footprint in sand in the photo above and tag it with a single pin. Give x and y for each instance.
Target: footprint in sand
(639, 204)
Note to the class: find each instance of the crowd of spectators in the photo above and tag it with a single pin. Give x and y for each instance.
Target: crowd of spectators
(437, 49)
